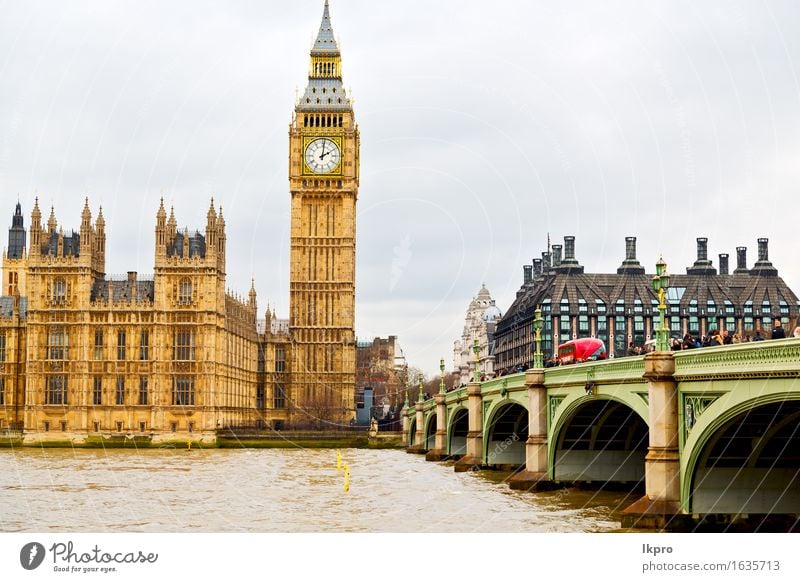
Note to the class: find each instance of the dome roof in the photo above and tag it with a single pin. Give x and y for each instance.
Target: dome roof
(492, 313)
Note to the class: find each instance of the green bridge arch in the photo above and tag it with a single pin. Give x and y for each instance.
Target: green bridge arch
(733, 486)
(457, 422)
(706, 394)
(617, 464)
(429, 430)
(511, 448)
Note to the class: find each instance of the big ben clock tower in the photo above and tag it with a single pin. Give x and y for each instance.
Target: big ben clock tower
(323, 178)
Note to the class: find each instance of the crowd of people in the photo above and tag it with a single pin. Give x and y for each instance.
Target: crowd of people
(716, 337)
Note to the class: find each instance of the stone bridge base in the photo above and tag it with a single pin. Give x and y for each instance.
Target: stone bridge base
(661, 515)
(530, 481)
(467, 463)
(417, 450)
(437, 455)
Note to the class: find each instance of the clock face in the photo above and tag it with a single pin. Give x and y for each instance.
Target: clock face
(322, 155)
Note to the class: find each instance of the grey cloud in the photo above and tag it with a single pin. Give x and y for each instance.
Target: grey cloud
(484, 127)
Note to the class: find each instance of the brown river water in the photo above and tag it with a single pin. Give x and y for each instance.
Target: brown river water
(277, 490)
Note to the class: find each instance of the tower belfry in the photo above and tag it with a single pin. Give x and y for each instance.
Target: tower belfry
(323, 180)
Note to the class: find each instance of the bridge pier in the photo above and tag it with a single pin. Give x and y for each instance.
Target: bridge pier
(439, 451)
(418, 447)
(535, 477)
(474, 456)
(661, 504)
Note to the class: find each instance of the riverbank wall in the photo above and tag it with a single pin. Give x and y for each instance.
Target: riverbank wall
(358, 439)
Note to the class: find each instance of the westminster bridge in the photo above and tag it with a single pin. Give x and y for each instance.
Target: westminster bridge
(712, 432)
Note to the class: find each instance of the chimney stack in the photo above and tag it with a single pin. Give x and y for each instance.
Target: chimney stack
(527, 275)
(763, 249)
(702, 249)
(556, 255)
(741, 260)
(723, 263)
(702, 266)
(630, 248)
(763, 267)
(569, 249)
(570, 263)
(546, 262)
(630, 265)
(537, 267)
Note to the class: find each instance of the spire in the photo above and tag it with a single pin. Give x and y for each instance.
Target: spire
(252, 295)
(16, 235)
(172, 223)
(101, 221)
(325, 91)
(52, 223)
(36, 228)
(86, 215)
(17, 221)
(162, 214)
(36, 214)
(325, 42)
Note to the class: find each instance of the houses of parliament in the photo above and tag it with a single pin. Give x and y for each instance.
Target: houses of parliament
(173, 356)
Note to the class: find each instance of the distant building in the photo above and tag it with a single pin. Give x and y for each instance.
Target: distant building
(480, 322)
(621, 308)
(381, 367)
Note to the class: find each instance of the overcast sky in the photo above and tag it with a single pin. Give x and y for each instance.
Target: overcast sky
(484, 126)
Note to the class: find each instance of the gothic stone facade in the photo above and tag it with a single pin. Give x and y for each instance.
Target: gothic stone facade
(323, 179)
(172, 356)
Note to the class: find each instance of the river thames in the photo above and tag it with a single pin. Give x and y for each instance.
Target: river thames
(277, 490)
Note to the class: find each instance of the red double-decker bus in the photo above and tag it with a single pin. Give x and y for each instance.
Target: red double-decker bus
(581, 350)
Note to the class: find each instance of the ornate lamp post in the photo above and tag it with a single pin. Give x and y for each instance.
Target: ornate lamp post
(442, 389)
(407, 401)
(538, 357)
(421, 397)
(476, 375)
(660, 285)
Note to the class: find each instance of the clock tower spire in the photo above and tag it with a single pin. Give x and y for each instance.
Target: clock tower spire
(323, 180)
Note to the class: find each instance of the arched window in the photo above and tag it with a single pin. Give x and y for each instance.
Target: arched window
(59, 290)
(56, 392)
(184, 345)
(185, 292)
(57, 348)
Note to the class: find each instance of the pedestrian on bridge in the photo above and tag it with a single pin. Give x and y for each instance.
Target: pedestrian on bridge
(777, 330)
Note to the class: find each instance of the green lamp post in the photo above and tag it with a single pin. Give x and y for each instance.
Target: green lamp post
(660, 285)
(407, 401)
(538, 357)
(476, 374)
(421, 397)
(442, 389)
